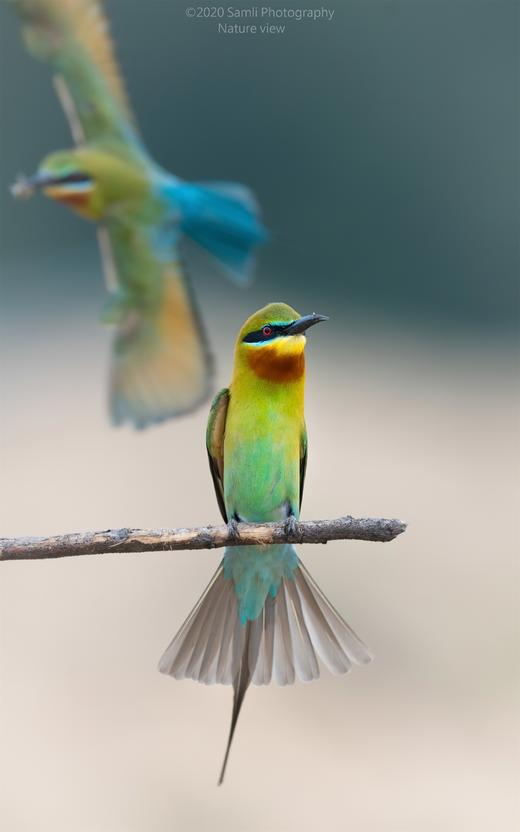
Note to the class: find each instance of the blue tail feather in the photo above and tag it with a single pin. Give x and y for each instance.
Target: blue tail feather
(224, 219)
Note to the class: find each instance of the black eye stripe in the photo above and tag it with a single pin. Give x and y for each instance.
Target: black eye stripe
(258, 334)
(72, 177)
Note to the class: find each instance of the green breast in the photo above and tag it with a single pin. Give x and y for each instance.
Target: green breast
(262, 454)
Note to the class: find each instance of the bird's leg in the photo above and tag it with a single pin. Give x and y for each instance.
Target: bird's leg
(120, 311)
(232, 527)
(116, 308)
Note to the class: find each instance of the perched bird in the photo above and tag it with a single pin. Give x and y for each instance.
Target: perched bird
(262, 617)
(160, 364)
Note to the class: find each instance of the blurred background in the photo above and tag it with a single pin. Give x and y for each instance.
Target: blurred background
(384, 148)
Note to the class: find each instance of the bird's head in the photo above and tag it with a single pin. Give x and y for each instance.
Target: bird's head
(272, 341)
(67, 178)
(84, 179)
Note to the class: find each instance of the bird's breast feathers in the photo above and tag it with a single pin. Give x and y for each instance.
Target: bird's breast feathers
(261, 459)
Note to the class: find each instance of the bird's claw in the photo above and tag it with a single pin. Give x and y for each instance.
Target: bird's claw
(232, 527)
(291, 527)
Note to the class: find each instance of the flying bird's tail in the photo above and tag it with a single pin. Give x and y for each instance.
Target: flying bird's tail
(224, 219)
(261, 619)
(160, 364)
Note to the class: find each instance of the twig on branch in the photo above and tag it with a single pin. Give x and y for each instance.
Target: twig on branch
(206, 537)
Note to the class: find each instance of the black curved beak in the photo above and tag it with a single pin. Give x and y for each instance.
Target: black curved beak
(302, 324)
(26, 186)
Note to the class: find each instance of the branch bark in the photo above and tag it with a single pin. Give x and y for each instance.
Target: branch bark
(206, 537)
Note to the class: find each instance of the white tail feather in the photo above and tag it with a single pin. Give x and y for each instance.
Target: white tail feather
(264, 664)
(292, 630)
(348, 641)
(305, 661)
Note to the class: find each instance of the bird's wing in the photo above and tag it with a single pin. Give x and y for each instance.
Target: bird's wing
(215, 444)
(303, 461)
(73, 37)
(160, 365)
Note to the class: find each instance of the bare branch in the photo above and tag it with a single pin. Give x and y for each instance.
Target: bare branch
(206, 537)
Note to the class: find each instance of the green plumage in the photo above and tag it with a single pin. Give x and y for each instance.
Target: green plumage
(263, 443)
(262, 439)
(161, 366)
(262, 616)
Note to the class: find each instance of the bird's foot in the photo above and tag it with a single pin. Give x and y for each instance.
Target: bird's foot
(113, 311)
(291, 527)
(232, 527)
(118, 309)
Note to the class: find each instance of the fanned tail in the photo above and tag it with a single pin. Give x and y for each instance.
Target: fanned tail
(295, 626)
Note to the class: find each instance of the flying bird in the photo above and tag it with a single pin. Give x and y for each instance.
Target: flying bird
(262, 617)
(160, 363)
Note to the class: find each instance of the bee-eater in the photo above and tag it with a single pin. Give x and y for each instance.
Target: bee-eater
(262, 617)
(160, 365)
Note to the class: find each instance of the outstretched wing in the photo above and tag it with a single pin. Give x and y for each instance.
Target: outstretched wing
(215, 433)
(73, 37)
(303, 461)
(160, 363)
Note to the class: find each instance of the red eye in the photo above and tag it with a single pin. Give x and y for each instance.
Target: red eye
(267, 331)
